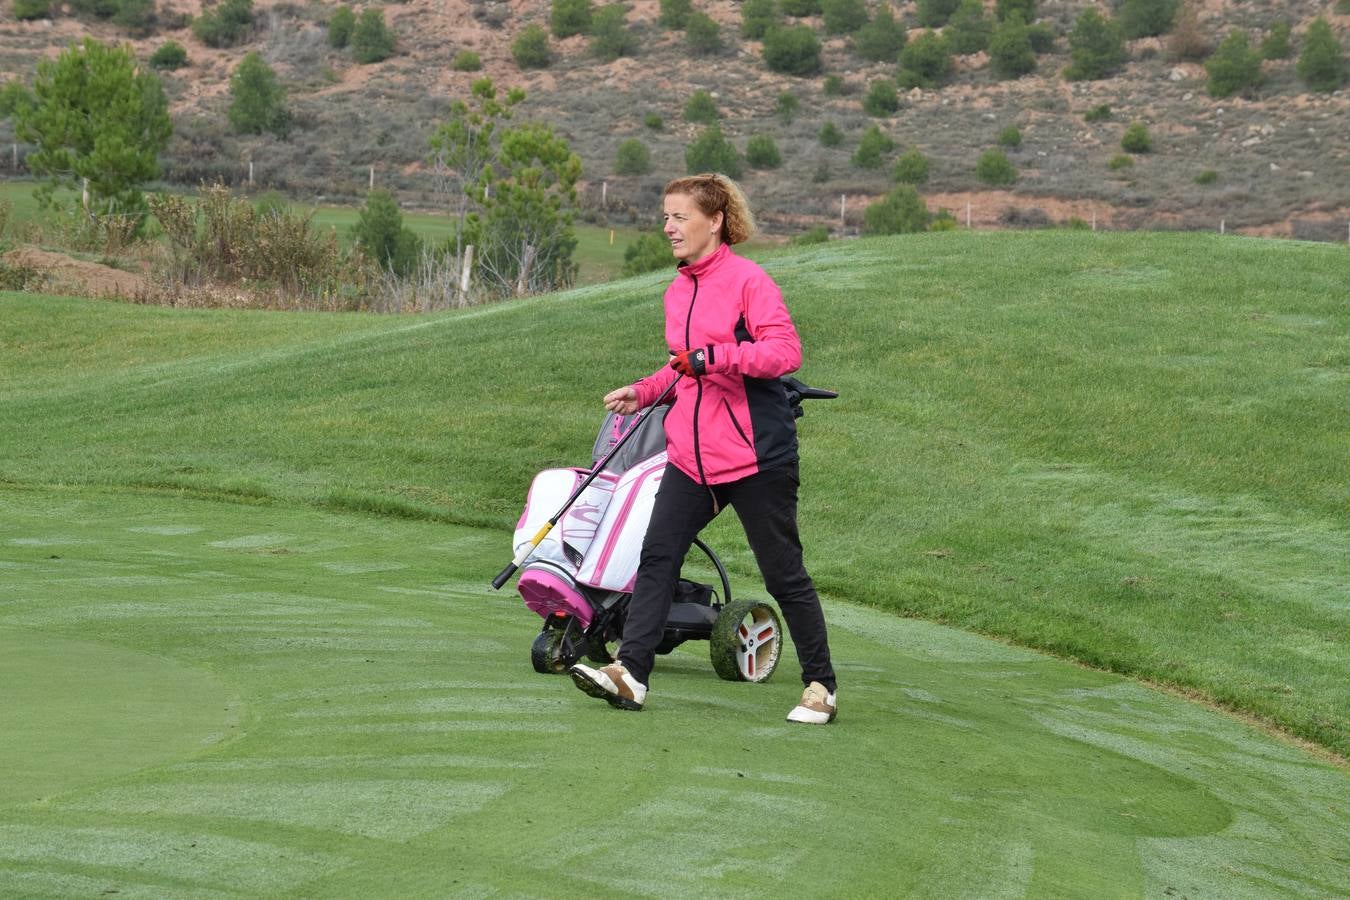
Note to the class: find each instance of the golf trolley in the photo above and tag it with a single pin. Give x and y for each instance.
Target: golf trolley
(578, 567)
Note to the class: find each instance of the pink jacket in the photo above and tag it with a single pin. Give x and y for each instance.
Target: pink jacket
(734, 421)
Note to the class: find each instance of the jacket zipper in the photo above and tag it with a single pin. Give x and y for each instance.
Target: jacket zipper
(698, 399)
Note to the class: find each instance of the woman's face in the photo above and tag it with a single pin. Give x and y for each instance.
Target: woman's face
(693, 235)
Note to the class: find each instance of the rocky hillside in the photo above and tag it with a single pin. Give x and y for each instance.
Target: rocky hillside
(1275, 163)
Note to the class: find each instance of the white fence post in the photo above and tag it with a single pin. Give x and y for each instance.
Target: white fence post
(967, 213)
(843, 207)
(464, 272)
(372, 178)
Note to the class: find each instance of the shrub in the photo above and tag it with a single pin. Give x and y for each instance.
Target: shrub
(27, 10)
(911, 167)
(610, 37)
(792, 50)
(1042, 37)
(1187, 40)
(1099, 113)
(702, 35)
(530, 48)
(1233, 67)
(1208, 176)
(925, 61)
(843, 16)
(871, 148)
(817, 234)
(994, 168)
(1120, 161)
(169, 55)
(651, 251)
(257, 99)
(902, 211)
(467, 61)
(14, 96)
(569, 17)
(653, 121)
(226, 25)
(1096, 47)
(830, 136)
(1276, 43)
(1321, 64)
(380, 231)
(1146, 18)
(762, 153)
(943, 221)
(881, 39)
(833, 86)
(700, 108)
(969, 28)
(632, 158)
(1010, 137)
(674, 13)
(711, 152)
(757, 17)
(935, 13)
(372, 41)
(800, 8)
(1010, 53)
(882, 99)
(1136, 139)
(340, 27)
(786, 107)
(1003, 9)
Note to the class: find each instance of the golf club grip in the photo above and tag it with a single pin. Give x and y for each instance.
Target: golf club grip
(504, 576)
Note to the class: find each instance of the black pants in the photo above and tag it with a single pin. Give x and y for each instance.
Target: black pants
(766, 504)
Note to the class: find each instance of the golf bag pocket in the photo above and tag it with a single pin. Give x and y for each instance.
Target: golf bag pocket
(612, 560)
(571, 538)
(648, 442)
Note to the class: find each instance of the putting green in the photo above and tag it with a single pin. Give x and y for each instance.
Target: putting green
(397, 742)
(76, 712)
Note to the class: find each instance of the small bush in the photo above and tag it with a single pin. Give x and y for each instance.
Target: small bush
(1188, 40)
(1146, 18)
(800, 8)
(610, 37)
(650, 252)
(881, 99)
(467, 61)
(902, 211)
(14, 96)
(935, 13)
(653, 121)
(830, 135)
(762, 153)
(226, 25)
(834, 86)
(994, 168)
(702, 35)
(1010, 137)
(793, 50)
(943, 221)
(1276, 43)
(1006, 9)
(674, 13)
(1208, 176)
(786, 107)
(843, 16)
(700, 108)
(569, 17)
(633, 158)
(1321, 64)
(969, 29)
(27, 11)
(1096, 47)
(1010, 53)
(1041, 37)
(911, 167)
(1100, 113)
(1120, 161)
(881, 39)
(530, 48)
(817, 234)
(925, 61)
(1136, 139)
(169, 55)
(872, 149)
(711, 152)
(381, 233)
(757, 17)
(257, 99)
(1234, 67)
(372, 41)
(340, 27)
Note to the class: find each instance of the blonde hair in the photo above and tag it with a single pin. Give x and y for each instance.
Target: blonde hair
(713, 193)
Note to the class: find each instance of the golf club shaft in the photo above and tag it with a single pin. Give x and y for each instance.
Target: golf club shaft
(599, 467)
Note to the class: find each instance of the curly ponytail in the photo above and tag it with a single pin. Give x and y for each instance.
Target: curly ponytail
(714, 193)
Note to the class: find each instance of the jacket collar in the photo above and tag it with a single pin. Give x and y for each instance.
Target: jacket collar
(706, 264)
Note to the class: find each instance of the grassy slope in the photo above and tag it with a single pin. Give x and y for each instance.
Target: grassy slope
(1122, 448)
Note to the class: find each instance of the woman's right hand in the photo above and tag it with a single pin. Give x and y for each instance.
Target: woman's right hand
(622, 401)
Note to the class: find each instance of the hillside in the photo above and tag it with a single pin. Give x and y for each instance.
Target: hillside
(1281, 160)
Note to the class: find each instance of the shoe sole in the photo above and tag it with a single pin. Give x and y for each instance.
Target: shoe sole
(809, 722)
(592, 689)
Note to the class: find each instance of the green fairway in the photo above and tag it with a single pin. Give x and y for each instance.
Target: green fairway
(1128, 450)
(366, 723)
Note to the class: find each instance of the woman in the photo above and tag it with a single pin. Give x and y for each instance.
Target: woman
(730, 437)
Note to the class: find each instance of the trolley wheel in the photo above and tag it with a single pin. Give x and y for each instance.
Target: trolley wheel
(557, 647)
(746, 641)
